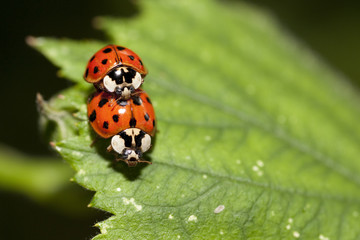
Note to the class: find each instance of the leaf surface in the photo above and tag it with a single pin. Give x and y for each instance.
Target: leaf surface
(257, 138)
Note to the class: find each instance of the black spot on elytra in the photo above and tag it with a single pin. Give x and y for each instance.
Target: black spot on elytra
(92, 116)
(86, 72)
(138, 138)
(131, 57)
(107, 50)
(92, 58)
(137, 100)
(104, 61)
(132, 122)
(115, 118)
(96, 69)
(154, 122)
(141, 63)
(148, 100)
(106, 125)
(122, 103)
(127, 139)
(102, 102)
(120, 48)
(146, 116)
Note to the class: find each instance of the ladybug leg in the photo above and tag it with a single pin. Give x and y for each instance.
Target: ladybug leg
(109, 149)
(95, 140)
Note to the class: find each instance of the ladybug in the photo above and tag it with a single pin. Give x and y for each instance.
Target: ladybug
(130, 123)
(116, 69)
(109, 115)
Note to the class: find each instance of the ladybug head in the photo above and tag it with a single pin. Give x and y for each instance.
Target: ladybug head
(123, 81)
(132, 157)
(131, 144)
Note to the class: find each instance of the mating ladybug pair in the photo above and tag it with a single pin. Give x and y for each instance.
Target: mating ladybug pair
(120, 109)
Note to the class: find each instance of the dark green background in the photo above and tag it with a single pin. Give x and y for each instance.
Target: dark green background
(330, 29)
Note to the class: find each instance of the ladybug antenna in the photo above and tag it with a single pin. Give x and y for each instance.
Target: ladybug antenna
(144, 161)
(137, 92)
(133, 163)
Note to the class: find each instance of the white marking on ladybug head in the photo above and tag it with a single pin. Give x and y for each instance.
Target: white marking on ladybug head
(126, 93)
(137, 81)
(145, 143)
(109, 84)
(118, 144)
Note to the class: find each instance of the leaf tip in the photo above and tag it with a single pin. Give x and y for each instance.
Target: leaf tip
(33, 41)
(30, 40)
(97, 22)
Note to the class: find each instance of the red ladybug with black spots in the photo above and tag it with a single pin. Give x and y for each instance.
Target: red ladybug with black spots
(116, 69)
(130, 123)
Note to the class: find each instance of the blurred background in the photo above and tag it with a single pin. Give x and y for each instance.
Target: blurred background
(330, 29)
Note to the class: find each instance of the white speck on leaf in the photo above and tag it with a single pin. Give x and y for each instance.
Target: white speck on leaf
(132, 201)
(221, 232)
(103, 228)
(77, 154)
(219, 209)
(290, 220)
(257, 170)
(288, 227)
(296, 234)
(260, 163)
(118, 189)
(178, 236)
(204, 176)
(207, 138)
(81, 172)
(192, 218)
(171, 217)
(238, 161)
(322, 237)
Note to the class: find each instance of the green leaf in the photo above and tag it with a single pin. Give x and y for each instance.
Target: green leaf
(257, 138)
(39, 178)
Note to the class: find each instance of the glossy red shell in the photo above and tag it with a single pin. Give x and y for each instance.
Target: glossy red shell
(144, 113)
(108, 115)
(109, 57)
